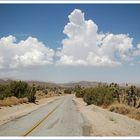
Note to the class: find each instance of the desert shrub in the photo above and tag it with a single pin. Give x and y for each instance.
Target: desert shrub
(60, 92)
(90, 97)
(40, 95)
(125, 110)
(115, 89)
(5, 91)
(14, 100)
(98, 96)
(20, 100)
(108, 98)
(1, 103)
(25, 100)
(41, 87)
(45, 91)
(138, 92)
(19, 89)
(135, 114)
(7, 102)
(68, 90)
(79, 91)
(120, 108)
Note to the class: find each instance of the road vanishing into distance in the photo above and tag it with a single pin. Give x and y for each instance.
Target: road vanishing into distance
(58, 118)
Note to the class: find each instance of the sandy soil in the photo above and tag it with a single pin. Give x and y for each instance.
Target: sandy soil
(16, 111)
(106, 123)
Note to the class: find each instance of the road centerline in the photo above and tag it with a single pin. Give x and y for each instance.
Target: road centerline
(39, 122)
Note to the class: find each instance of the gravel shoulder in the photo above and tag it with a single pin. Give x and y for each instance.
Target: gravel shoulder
(10, 113)
(106, 123)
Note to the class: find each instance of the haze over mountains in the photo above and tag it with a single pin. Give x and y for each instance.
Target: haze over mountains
(68, 84)
(51, 84)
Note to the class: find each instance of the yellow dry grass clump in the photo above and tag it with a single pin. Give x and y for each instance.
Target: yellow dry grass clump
(120, 108)
(135, 114)
(125, 110)
(12, 101)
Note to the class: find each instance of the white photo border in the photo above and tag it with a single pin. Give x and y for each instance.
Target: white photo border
(71, 2)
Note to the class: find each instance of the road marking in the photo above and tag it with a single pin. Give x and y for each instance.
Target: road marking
(40, 122)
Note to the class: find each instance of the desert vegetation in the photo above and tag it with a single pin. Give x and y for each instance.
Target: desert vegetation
(16, 92)
(120, 99)
(68, 90)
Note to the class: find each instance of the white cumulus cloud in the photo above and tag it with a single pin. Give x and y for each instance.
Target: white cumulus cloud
(26, 53)
(137, 51)
(84, 45)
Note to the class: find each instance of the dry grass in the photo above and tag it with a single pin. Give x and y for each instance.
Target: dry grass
(120, 108)
(23, 100)
(125, 110)
(135, 114)
(12, 101)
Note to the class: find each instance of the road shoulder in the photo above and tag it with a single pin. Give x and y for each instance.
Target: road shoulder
(106, 123)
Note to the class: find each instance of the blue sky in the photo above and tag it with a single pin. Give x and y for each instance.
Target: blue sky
(46, 23)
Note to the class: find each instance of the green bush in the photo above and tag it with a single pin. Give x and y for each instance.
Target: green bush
(5, 91)
(68, 91)
(98, 96)
(79, 91)
(18, 89)
(90, 96)
(45, 91)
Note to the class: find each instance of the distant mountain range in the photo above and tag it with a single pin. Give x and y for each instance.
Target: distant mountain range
(70, 84)
(5, 81)
(81, 83)
(50, 84)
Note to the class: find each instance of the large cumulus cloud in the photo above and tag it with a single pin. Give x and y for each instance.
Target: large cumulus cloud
(84, 45)
(26, 53)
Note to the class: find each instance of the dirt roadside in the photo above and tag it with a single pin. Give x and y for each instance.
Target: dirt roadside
(9, 113)
(106, 123)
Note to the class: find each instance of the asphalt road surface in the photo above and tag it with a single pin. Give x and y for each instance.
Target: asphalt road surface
(57, 118)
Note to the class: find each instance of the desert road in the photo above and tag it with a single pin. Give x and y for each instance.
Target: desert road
(58, 118)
